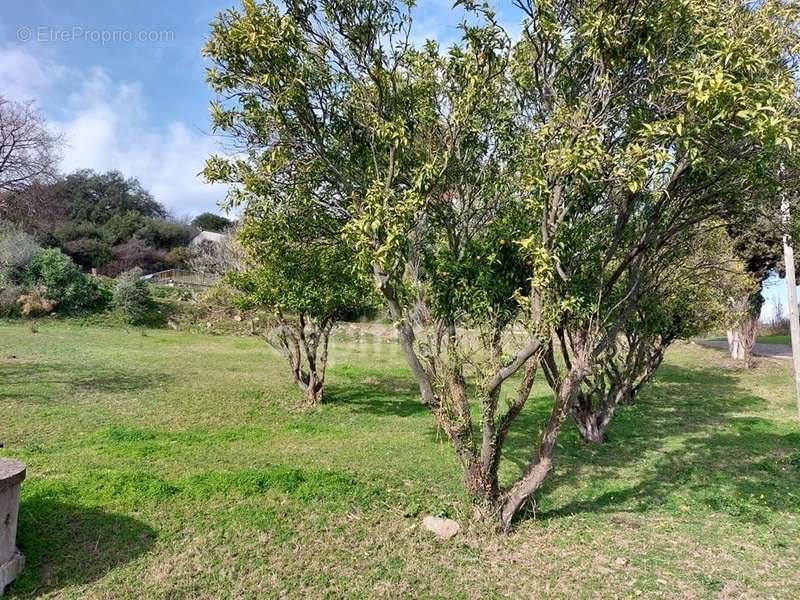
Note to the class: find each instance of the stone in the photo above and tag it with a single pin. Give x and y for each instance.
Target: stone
(10, 570)
(443, 528)
(12, 473)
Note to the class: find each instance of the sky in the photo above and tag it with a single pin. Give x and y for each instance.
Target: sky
(124, 80)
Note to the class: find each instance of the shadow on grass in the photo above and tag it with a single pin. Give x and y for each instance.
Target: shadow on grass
(678, 402)
(688, 446)
(102, 379)
(381, 395)
(687, 441)
(745, 476)
(66, 544)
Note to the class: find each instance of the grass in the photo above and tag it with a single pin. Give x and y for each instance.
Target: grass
(775, 339)
(171, 464)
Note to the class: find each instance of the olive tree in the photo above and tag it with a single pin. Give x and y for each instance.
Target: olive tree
(501, 194)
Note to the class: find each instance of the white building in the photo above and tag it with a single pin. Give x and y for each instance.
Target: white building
(207, 236)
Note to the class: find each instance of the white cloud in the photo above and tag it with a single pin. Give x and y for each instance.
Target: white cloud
(107, 126)
(23, 77)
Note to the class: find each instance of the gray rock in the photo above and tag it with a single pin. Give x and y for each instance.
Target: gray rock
(443, 528)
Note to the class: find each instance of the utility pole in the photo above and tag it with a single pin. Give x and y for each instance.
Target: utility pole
(791, 293)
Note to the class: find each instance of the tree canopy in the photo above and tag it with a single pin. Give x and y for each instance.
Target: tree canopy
(211, 222)
(297, 269)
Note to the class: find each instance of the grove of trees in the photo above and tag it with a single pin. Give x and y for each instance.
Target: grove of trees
(558, 204)
(101, 220)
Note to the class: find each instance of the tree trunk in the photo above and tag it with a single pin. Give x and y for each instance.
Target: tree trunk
(748, 330)
(742, 339)
(314, 391)
(481, 486)
(735, 344)
(590, 426)
(542, 462)
(305, 347)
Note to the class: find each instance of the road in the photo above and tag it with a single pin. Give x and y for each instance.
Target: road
(781, 351)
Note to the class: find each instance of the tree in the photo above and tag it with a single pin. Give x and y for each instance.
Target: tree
(690, 297)
(582, 159)
(96, 218)
(97, 197)
(29, 151)
(131, 297)
(37, 209)
(89, 253)
(131, 254)
(759, 244)
(17, 249)
(220, 257)
(211, 222)
(164, 234)
(305, 279)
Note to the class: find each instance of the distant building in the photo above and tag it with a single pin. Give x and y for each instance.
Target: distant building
(211, 237)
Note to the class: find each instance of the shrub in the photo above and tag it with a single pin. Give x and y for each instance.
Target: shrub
(123, 226)
(17, 249)
(210, 222)
(134, 253)
(8, 300)
(132, 298)
(88, 252)
(63, 282)
(76, 230)
(162, 234)
(35, 304)
(177, 258)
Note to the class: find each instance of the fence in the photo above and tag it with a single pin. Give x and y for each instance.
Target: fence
(180, 278)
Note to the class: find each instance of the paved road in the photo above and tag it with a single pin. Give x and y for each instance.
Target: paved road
(781, 351)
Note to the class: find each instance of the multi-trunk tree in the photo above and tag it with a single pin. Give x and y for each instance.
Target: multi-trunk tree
(689, 297)
(304, 277)
(502, 193)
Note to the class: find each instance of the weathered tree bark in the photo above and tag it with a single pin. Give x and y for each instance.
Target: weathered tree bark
(542, 462)
(742, 337)
(621, 377)
(591, 422)
(304, 345)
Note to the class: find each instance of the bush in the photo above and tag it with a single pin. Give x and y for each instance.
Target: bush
(132, 298)
(131, 254)
(88, 252)
(164, 235)
(210, 222)
(64, 283)
(77, 230)
(9, 307)
(17, 249)
(35, 304)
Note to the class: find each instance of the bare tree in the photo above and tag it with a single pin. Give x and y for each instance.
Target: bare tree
(29, 151)
(220, 257)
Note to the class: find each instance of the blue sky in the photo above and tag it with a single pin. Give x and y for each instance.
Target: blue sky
(774, 294)
(142, 106)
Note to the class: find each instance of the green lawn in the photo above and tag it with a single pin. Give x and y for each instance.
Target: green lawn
(774, 339)
(173, 465)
